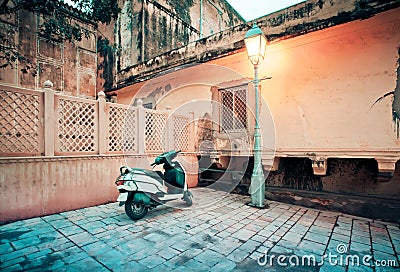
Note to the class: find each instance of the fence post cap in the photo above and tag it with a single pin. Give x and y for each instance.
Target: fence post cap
(139, 102)
(48, 84)
(101, 94)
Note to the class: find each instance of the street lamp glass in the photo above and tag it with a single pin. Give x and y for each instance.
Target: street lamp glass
(255, 44)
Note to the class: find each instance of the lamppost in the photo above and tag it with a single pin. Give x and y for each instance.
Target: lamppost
(256, 44)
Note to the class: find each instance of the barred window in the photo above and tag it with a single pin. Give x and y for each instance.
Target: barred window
(233, 109)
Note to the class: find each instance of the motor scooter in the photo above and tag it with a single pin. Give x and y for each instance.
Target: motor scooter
(142, 189)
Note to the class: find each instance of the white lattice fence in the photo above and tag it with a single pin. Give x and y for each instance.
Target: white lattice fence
(72, 126)
(122, 128)
(155, 130)
(181, 132)
(21, 118)
(77, 125)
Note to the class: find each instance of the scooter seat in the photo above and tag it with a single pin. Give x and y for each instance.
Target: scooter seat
(157, 175)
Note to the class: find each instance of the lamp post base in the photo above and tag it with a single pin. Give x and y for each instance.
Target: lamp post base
(263, 206)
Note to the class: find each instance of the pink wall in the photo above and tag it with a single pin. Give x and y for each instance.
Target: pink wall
(40, 186)
(321, 92)
(35, 187)
(324, 84)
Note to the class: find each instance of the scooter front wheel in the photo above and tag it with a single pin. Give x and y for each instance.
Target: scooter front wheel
(135, 211)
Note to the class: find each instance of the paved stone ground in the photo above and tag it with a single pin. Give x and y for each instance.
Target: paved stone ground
(226, 236)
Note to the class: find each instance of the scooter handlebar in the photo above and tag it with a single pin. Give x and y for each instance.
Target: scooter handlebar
(164, 158)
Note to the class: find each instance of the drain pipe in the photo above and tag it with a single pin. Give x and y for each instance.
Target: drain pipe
(201, 19)
(219, 13)
(142, 49)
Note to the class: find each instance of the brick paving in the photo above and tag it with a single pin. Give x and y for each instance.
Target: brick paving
(225, 236)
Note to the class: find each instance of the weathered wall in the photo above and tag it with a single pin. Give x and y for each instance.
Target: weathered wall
(32, 187)
(321, 92)
(324, 84)
(322, 88)
(305, 17)
(218, 15)
(71, 67)
(351, 186)
(106, 57)
(147, 28)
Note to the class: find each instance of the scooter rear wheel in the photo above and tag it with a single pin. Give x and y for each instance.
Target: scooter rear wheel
(135, 211)
(188, 199)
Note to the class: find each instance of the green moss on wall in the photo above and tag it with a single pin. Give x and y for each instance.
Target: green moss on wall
(182, 8)
(106, 66)
(162, 29)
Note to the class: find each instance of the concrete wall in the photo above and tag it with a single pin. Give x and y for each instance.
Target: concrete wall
(146, 28)
(305, 17)
(106, 58)
(323, 87)
(321, 93)
(71, 67)
(320, 96)
(40, 186)
(35, 187)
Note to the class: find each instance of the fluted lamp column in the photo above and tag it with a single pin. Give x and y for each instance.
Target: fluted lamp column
(255, 45)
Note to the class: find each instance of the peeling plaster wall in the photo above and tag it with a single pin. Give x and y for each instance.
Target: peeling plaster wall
(71, 67)
(322, 88)
(106, 72)
(147, 28)
(321, 92)
(324, 84)
(306, 17)
(351, 186)
(344, 176)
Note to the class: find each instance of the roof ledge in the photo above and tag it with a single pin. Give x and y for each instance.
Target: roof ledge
(297, 20)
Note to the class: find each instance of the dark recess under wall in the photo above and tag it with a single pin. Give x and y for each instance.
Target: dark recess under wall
(350, 186)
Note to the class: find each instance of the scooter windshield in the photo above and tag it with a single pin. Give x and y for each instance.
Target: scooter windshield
(166, 157)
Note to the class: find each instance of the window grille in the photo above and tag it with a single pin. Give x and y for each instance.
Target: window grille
(233, 108)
